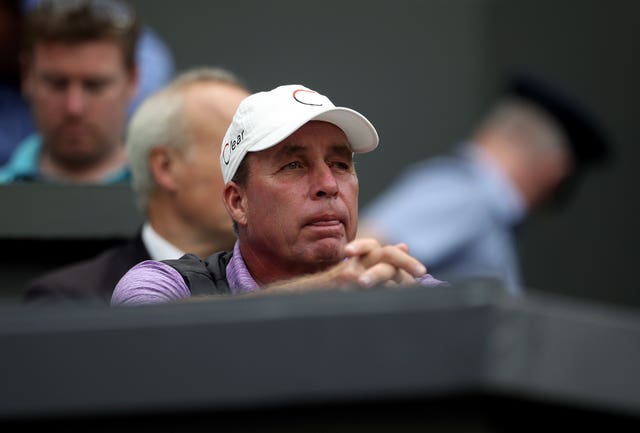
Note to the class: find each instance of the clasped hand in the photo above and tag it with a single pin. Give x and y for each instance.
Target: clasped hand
(368, 263)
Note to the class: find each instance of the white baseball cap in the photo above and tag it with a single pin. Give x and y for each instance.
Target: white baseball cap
(264, 119)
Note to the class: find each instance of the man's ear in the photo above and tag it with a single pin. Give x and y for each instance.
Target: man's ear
(236, 203)
(161, 161)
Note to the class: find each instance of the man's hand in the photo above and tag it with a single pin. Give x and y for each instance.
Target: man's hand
(372, 263)
(367, 263)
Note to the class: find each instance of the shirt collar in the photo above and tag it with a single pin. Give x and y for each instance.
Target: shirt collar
(25, 165)
(238, 276)
(507, 202)
(158, 247)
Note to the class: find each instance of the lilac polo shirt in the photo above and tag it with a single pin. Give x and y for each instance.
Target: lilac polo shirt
(153, 282)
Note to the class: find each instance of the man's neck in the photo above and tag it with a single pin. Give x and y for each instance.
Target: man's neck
(184, 235)
(93, 173)
(265, 271)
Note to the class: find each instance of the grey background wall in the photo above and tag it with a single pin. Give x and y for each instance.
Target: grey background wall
(423, 71)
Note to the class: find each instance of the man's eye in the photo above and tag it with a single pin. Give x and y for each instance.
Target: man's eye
(94, 86)
(57, 84)
(292, 165)
(341, 165)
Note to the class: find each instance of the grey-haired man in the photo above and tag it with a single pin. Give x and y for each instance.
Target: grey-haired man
(172, 144)
(292, 192)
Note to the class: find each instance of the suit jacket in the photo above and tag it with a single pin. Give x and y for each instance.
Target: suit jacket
(89, 280)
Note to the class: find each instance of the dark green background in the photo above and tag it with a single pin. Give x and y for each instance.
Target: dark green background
(422, 71)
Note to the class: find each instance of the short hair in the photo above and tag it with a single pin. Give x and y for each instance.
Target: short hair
(241, 177)
(159, 121)
(587, 138)
(534, 127)
(79, 21)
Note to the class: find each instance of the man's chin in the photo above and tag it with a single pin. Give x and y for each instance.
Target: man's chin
(76, 153)
(327, 252)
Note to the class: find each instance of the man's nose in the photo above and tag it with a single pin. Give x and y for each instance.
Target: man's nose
(75, 100)
(324, 182)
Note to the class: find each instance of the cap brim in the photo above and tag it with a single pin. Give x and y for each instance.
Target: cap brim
(360, 132)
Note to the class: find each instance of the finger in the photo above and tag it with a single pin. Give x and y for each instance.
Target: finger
(377, 274)
(404, 247)
(395, 257)
(361, 247)
(404, 278)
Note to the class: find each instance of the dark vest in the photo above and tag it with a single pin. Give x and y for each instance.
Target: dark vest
(204, 277)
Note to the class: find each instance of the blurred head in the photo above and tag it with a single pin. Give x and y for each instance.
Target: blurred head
(292, 188)
(544, 138)
(530, 146)
(173, 143)
(79, 74)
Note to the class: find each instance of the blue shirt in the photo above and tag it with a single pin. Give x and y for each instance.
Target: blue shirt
(16, 122)
(155, 66)
(24, 165)
(457, 214)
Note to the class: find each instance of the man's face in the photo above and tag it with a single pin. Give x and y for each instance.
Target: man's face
(208, 110)
(301, 201)
(79, 95)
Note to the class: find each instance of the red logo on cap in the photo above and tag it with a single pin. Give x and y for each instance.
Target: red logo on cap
(307, 97)
(230, 146)
(226, 153)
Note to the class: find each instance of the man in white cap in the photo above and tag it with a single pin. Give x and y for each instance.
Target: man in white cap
(292, 192)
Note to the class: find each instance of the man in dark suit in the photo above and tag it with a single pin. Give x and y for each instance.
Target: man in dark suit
(173, 143)
(88, 280)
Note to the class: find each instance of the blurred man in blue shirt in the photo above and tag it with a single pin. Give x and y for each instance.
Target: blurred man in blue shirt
(458, 212)
(153, 61)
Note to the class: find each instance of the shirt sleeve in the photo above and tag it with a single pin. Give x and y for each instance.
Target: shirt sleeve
(434, 211)
(150, 282)
(428, 280)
